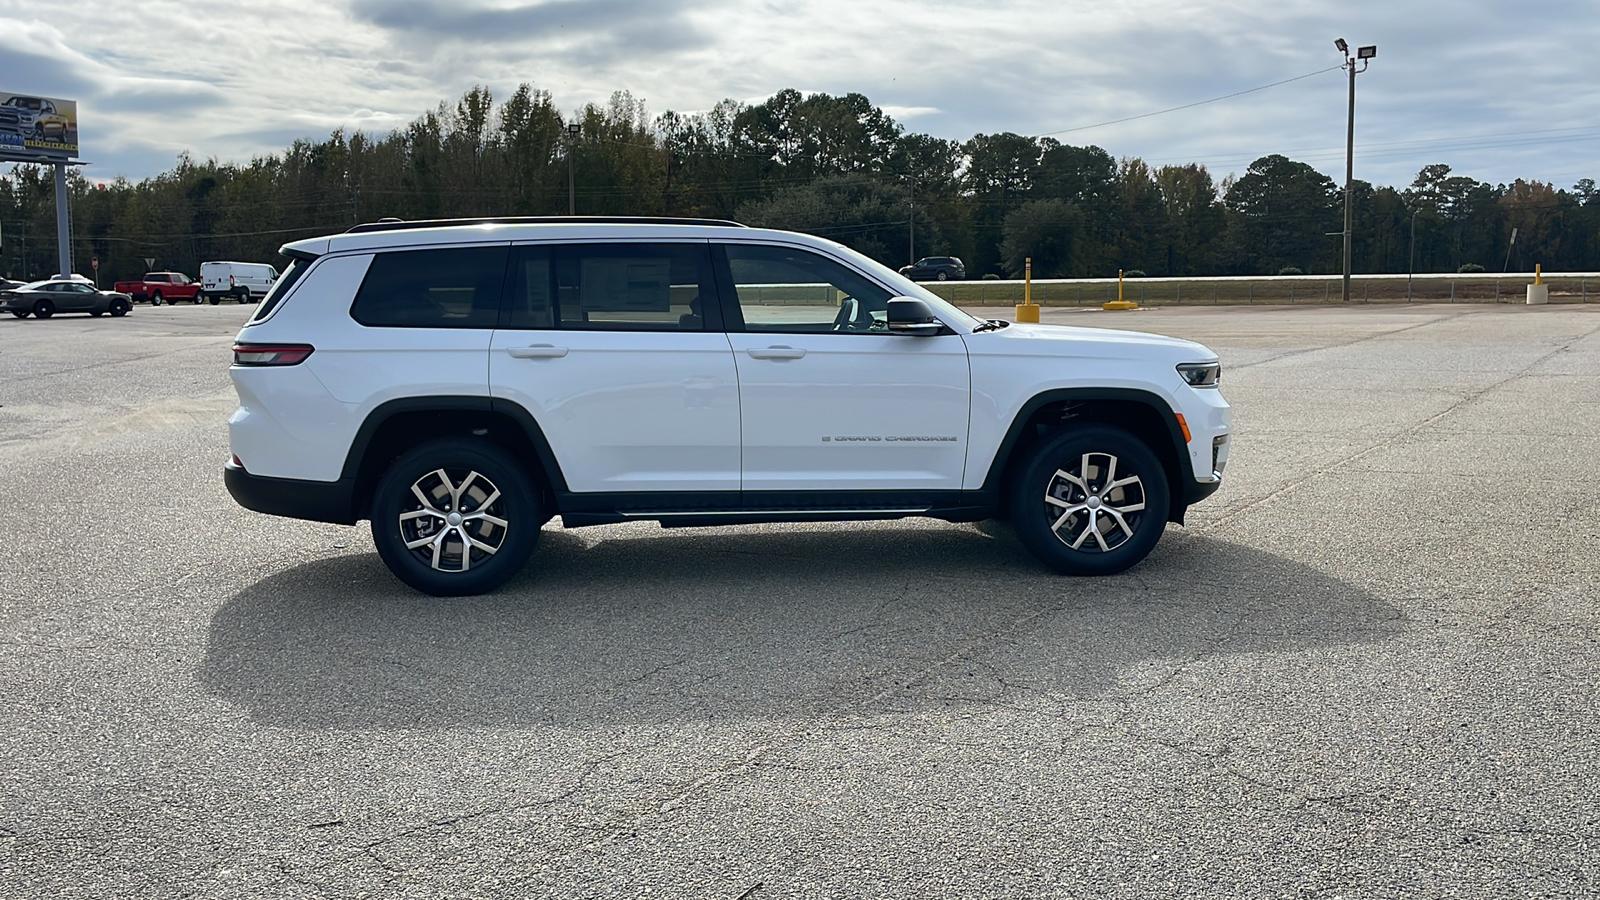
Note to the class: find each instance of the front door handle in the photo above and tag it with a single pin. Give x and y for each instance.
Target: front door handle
(537, 351)
(779, 352)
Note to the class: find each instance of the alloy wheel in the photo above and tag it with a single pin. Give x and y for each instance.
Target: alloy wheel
(1090, 508)
(453, 522)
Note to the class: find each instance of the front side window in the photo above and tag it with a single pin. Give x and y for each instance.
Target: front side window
(783, 289)
(457, 287)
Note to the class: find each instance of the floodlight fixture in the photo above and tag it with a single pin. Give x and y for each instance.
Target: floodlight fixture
(1343, 47)
(574, 130)
(1367, 52)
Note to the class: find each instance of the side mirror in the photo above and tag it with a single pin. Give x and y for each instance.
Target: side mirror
(908, 315)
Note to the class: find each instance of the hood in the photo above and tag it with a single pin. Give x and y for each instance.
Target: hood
(1069, 340)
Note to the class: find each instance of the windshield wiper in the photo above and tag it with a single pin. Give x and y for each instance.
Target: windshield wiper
(991, 325)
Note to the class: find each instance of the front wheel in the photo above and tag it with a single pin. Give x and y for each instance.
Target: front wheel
(1091, 501)
(456, 516)
(119, 308)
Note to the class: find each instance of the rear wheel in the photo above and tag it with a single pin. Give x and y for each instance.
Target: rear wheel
(942, 276)
(456, 516)
(155, 299)
(20, 313)
(119, 307)
(44, 309)
(242, 295)
(1091, 501)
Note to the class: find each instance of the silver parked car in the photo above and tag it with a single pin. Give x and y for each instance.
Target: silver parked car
(64, 295)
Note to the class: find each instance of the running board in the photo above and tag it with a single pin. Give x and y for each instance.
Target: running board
(702, 518)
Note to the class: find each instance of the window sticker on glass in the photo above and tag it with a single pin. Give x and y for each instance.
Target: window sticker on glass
(626, 285)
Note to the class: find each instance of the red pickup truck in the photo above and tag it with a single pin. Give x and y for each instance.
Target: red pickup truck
(161, 287)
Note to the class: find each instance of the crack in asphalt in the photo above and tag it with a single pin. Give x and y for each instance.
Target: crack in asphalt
(1234, 514)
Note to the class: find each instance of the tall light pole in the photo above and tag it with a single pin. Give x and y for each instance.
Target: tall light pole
(573, 131)
(1364, 56)
(1411, 264)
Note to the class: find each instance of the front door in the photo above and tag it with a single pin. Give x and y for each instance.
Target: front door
(829, 399)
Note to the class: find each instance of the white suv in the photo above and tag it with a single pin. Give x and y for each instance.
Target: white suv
(460, 383)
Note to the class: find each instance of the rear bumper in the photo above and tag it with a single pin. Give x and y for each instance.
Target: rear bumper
(319, 501)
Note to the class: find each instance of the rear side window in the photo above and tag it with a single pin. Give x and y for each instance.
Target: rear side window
(613, 287)
(456, 287)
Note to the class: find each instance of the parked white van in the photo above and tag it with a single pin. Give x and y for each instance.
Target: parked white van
(242, 281)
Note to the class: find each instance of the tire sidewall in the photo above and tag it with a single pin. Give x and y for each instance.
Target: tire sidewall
(522, 511)
(1061, 451)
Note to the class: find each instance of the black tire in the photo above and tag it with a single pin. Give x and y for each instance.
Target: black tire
(44, 309)
(97, 313)
(119, 308)
(155, 299)
(243, 296)
(213, 299)
(942, 276)
(1091, 458)
(472, 470)
(20, 313)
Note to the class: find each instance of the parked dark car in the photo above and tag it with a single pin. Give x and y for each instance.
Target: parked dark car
(64, 295)
(935, 268)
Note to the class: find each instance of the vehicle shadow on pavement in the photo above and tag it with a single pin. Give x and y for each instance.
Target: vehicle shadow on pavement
(725, 625)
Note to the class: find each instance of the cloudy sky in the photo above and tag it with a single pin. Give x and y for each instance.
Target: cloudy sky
(1497, 89)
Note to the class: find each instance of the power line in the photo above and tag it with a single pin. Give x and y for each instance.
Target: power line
(1162, 112)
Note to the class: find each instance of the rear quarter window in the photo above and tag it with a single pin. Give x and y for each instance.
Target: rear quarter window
(457, 287)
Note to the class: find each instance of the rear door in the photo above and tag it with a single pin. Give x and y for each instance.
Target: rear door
(613, 351)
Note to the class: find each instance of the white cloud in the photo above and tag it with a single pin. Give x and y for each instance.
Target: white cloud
(227, 80)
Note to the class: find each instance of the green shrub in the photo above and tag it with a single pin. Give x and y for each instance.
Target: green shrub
(1471, 267)
(990, 276)
(1291, 270)
(1133, 273)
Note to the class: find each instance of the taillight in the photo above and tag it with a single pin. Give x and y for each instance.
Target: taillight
(270, 354)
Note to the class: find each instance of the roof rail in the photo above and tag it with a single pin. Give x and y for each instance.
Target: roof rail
(404, 225)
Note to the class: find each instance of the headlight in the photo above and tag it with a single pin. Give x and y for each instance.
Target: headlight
(1201, 375)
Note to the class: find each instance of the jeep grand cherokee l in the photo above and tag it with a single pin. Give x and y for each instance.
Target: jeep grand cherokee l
(460, 383)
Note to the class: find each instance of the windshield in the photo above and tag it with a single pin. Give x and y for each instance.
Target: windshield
(905, 287)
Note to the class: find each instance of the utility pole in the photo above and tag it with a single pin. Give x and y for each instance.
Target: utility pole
(1411, 264)
(911, 225)
(1364, 56)
(573, 131)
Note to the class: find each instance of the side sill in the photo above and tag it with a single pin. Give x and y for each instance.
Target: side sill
(318, 501)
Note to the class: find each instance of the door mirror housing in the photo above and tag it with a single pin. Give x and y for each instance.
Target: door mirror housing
(908, 315)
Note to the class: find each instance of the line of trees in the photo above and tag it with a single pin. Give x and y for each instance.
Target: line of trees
(835, 166)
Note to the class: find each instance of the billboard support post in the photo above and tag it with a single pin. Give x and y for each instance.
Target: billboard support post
(63, 228)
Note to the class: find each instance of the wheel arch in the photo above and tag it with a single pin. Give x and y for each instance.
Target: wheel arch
(398, 425)
(1142, 413)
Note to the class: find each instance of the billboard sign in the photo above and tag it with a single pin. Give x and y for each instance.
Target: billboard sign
(37, 129)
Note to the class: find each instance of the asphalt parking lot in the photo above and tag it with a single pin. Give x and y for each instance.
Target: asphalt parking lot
(1368, 667)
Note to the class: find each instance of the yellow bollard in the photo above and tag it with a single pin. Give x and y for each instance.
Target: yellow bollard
(1538, 292)
(1119, 303)
(1026, 310)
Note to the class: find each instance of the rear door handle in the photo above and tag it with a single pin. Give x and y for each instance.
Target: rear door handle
(776, 352)
(537, 351)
